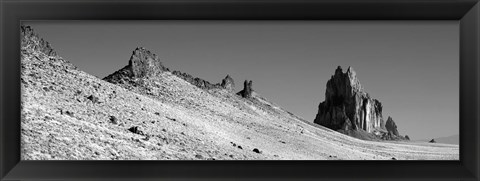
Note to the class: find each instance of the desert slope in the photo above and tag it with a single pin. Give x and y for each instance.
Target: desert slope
(68, 114)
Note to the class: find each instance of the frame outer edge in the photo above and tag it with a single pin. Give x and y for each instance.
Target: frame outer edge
(2, 138)
(477, 23)
(475, 65)
(469, 90)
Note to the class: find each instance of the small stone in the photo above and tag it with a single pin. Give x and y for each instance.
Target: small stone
(113, 120)
(69, 113)
(93, 99)
(199, 156)
(239, 147)
(256, 150)
(135, 130)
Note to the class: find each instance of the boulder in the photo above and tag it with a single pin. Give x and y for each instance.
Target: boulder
(256, 150)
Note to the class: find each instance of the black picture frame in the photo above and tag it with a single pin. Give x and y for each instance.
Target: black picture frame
(14, 11)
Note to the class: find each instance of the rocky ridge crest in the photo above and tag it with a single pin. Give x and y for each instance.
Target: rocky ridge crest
(31, 41)
(145, 64)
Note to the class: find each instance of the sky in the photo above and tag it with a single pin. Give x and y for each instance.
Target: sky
(412, 67)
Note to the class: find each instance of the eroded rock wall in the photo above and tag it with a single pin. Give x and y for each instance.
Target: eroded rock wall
(345, 100)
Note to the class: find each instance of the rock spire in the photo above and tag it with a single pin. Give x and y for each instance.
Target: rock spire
(346, 101)
(247, 89)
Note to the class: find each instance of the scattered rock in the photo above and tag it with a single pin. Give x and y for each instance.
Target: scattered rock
(283, 142)
(135, 130)
(239, 147)
(147, 137)
(393, 158)
(432, 141)
(113, 120)
(406, 137)
(256, 150)
(198, 156)
(173, 119)
(71, 114)
(93, 99)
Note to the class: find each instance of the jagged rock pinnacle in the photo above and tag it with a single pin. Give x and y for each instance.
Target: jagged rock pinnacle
(228, 83)
(391, 126)
(345, 100)
(247, 89)
(144, 63)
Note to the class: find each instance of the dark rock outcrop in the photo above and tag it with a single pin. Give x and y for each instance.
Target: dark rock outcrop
(228, 83)
(391, 126)
(142, 63)
(345, 100)
(247, 89)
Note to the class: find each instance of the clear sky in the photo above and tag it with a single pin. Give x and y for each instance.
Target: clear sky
(412, 67)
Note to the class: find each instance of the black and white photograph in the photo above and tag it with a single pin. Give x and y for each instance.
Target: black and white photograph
(239, 90)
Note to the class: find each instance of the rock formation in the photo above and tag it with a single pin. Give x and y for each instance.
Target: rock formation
(346, 101)
(31, 41)
(247, 89)
(200, 83)
(228, 83)
(391, 126)
(143, 63)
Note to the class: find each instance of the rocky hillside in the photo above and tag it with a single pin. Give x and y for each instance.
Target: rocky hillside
(350, 110)
(146, 112)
